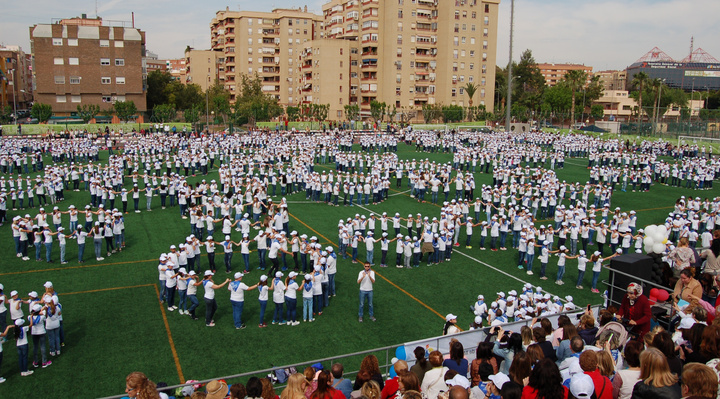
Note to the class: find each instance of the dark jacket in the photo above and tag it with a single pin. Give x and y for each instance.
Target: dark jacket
(644, 391)
(588, 335)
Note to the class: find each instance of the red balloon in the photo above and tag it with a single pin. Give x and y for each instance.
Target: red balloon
(662, 295)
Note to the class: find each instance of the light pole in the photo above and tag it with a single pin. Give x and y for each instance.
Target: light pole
(508, 103)
(207, 106)
(12, 81)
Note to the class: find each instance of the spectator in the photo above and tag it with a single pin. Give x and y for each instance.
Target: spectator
(268, 391)
(581, 386)
(536, 354)
(635, 308)
(496, 383)
(687, 286)
(340, 383)
(625, 380)
(577, 345)
(408, 382)
(540, 336)
(237, 391)
(656, 379)
(606, 364)
(254, 388)
(586, 328)
(370, 390)
(370, 365)
(137, 385)
(520, 368)
(511, 390)
(483, 354)
(391, 386)
(664, 343)
(421, 365)
(709, 347)
(326, 391)
(699, 382)
(507, 350)
(589, 365)
(216, 389)
(563, 350)
(484, 372)
(457, 359)
(434, 382)
(545, 382)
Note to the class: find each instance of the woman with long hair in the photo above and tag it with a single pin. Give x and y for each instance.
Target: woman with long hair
(450, 325)
(408, 381)
(536, 353)
(483, 354)
(656, 379)
(138, 386)
(563, 350)
(324, 387)
(664, 343)
(625, 380)
(508, 350)
(295, 388)
(545, 382)
(268, 391)
(457, 359)
(421, 365)
(434, 380)
(370, 365)
(521, 367)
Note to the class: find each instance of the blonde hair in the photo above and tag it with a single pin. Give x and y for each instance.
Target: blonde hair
(606, 364)
(295, 387)
(370, 390)
(655, 370)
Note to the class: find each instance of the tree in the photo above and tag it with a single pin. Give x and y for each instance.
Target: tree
(88, 111)
(528, 82)
(320, 111)
(157, 82)
(406, 114)
(391, 112)
(597, 111)
(252, 104)
(192, 114)
(125, 110)
(377, 110)
(470, 90)
(41, 112)
(452, 113)
(352, 112)
(431, 112)
(183, 96)
(640, 80)
(5, 114)
(164, 113)
(292, 112)
(575, 81)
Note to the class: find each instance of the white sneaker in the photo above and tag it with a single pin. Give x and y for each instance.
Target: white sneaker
(19, 255)
(296, 323)
(2, 380)
(100, 258)
(529, 272)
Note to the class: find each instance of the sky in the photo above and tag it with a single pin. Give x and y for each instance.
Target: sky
(609, 34)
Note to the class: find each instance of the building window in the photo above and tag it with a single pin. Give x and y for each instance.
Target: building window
(105, 80)
(58, 61)
(106, 99)
(60, 99)
(119, 43)
(72, 42)
(104, 61)
(339, 114)
(119, 62)
(74, 80)
(104, 43)
(73, 61)
(57, 42)
(454, 92)
(75, 99)
(119, 80)
(59, 80)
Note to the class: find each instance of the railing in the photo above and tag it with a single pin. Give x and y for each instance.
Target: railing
(469, 339)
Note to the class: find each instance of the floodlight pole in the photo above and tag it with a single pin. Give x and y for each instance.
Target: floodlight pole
(508, 103)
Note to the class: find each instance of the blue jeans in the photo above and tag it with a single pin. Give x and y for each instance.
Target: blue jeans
(366, 295)
(581, 275)
(237, 307)
(529, 259)
(263, 305)
(183, 299)
(325, 293)
(308, 309)
(369, 257)
(595, 277)
(23, 357)
(331, 284)
(39, 345)
(291, 309)
(543, 266)
(278, 314)
(560, 273)
(53, 336)
(318, 302)
(194, 304)
(48, 251)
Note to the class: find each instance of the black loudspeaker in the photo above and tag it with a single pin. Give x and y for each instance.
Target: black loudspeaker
(627, 267)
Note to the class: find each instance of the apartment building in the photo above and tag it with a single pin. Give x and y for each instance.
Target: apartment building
(16, 90)
(553, 73)
(409, 53)
(324, 76)
(85, 61)
(202, 67)
(613, 80)
(268, 44)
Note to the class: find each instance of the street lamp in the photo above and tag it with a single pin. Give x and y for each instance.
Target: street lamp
(12, 81)
(207, 106)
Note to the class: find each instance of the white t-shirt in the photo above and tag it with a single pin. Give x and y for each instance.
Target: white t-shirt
(209, 290)
(279, 291)
(291, 290)
(237, 291)
(367, 280)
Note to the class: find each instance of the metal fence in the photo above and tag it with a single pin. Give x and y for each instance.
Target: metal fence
(470, 340)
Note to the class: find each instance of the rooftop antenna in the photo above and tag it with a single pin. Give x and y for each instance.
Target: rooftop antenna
(692, 40)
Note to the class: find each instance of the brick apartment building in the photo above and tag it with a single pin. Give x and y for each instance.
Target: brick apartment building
(85, 61)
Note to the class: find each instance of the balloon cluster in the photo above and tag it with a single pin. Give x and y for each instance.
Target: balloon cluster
(655, 239)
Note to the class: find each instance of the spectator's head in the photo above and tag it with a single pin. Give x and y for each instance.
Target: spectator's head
(654, 368)
(511, 390)
(458, 392)
(569, 331)
(588, 361)
(520, 367)
(545, 378)
(370, 390)
(710, 344)
(562, 320)
(535, 352)
(606, 364)
(309, 373)
(412, 395)
(538, 334)
(649, 337)
(547, 325)
(699, 313)
(408, 382)
(527, 335)
(632, 353)
(268, 391)
(139, 386)
(399, 366)
(370, 363)
(420, 355)
(237, 391)
(484, 350)
(699, 380)
(514, 343)
(254, 387)
(337, 370)
(605, 316)
(436, 358)
(485, 370)
(606, 336)
(586, 322)
(664, 343)
(457, 352)
(577, 344)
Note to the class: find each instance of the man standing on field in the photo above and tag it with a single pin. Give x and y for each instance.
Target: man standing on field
(366, 278)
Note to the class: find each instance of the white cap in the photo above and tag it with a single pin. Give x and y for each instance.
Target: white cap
(208, 273)
(238, 275)
(450, 316)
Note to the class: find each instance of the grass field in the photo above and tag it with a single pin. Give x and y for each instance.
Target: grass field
(114, 324)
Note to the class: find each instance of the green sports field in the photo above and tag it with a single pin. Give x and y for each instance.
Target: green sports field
(114, 324)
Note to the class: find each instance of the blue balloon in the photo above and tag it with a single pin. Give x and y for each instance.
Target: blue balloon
(400, 353)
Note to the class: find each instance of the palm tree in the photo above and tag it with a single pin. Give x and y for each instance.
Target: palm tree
(640, 79)
(656, 86)
(575, 80)
(470, 89)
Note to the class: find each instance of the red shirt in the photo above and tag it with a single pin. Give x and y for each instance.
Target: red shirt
(603, 386)
(390, 389)
(529, 392)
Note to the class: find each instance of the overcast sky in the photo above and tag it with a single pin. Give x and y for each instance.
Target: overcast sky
(608, 34)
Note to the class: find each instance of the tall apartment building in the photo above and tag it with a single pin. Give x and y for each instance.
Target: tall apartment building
(613, 80)
(553, 73)
(409, 53)
(85, 61)
(324, 76)
(264, 43)
(16, 90)
(202, 67)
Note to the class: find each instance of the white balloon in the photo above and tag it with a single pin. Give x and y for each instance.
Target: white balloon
(659, 236)
(650, 230)
(648, 248)
(649, 241)
(662, 228)
(659, 248)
